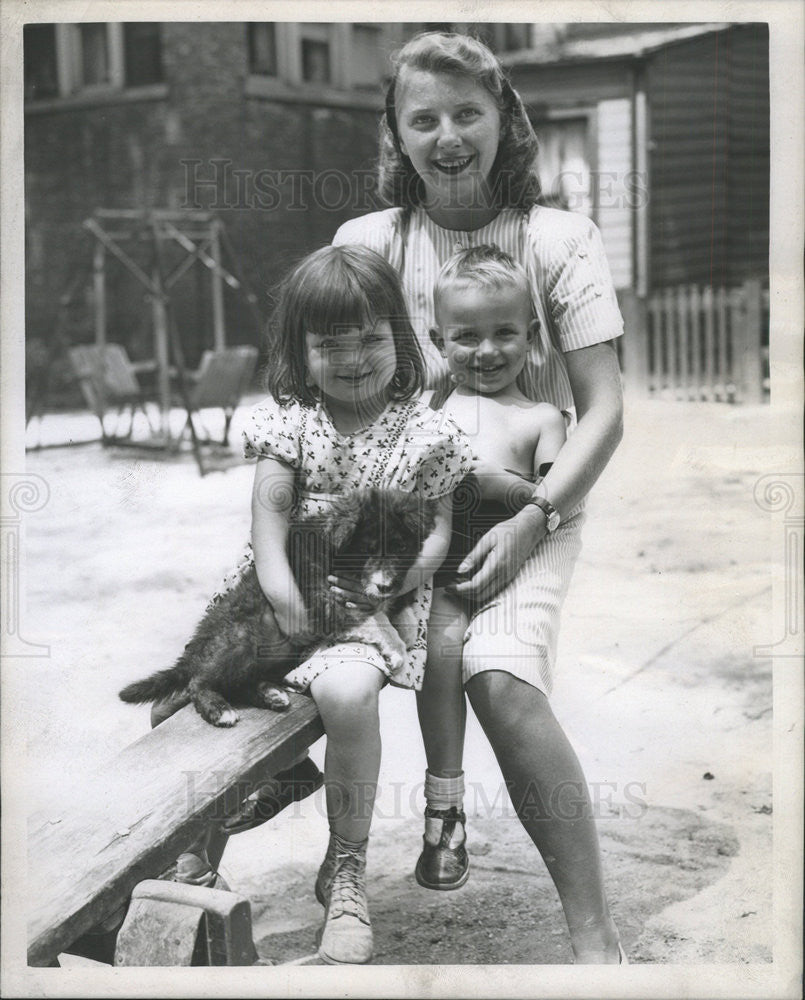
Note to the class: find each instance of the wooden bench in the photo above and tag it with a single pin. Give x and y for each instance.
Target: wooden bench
(129, 822)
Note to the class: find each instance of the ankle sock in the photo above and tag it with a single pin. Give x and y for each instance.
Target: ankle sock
(442, 794)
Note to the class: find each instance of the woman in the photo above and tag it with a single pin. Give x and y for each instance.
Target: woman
(455, 162)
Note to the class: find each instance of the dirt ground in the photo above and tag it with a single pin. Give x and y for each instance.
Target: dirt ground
(658, 689)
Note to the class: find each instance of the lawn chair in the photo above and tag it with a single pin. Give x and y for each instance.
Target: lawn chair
(219, 383)
(109, 380)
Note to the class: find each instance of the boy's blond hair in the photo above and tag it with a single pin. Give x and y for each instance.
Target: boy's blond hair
(487, 266)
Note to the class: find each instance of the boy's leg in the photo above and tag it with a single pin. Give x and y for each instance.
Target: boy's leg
(549, 792)
(346, 695)
(443, 863)
(440, 704)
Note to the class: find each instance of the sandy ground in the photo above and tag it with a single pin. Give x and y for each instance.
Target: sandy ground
(658, 688)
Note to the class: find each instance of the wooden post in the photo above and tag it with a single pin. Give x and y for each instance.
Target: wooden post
(219, 330)
(748, 352)
(670, 341)
(657, 382)
(709, 343)
(635, 343)
(161, 352)
(695, 318)
(99, 282)
(684, 340)
(724, 366)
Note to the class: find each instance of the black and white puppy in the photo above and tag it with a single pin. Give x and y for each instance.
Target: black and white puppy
(238, 654)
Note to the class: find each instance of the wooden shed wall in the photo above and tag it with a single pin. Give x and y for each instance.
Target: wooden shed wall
(709, 163)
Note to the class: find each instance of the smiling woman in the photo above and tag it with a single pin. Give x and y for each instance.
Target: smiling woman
(457, 157)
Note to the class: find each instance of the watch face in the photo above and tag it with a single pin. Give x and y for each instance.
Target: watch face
(553, 521)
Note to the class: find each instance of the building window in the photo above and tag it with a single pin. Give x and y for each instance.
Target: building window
(306, 59)
(142, 53)
(563, 164)
(368, 63)
(62, 60)
(316, 44)
(262, 42)
(41, 66)
(516, 36)
(95, 68)
(315, 61)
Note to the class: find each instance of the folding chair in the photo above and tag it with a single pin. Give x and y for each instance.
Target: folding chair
(108, 379)
(220, 382)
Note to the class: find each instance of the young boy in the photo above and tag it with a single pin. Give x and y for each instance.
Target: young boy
(486, 328)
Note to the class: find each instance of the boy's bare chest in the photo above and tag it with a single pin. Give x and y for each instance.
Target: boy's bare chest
(506, 434)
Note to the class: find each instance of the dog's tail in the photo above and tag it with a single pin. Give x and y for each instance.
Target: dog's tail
(158, 685)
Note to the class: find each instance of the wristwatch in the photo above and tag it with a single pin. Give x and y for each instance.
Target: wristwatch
(552, 517)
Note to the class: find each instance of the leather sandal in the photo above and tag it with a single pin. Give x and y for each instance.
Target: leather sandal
(445, 865)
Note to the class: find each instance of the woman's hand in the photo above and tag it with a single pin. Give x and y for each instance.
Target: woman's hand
(498, 556)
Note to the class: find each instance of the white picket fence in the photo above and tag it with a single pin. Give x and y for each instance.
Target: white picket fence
(691, 343)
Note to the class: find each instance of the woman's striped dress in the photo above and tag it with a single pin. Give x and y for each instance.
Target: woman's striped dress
(575, 302)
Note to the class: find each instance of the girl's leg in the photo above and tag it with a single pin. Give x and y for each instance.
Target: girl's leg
(443, 863)
(346, 695)
(549, 792)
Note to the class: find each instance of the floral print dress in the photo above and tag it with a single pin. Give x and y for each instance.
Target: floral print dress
(408, 447)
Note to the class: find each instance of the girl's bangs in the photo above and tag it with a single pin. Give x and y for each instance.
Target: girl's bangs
(336, 301)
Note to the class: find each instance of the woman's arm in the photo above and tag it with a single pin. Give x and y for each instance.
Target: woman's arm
(434, 548)
(595, 381)
(272, 501)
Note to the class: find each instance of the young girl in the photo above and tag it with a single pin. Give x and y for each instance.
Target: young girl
(346, 412)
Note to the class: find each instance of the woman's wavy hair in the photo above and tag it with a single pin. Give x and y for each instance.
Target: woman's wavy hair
(334, 289)
(512, 181)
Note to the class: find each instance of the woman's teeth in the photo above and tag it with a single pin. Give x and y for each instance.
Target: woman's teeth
(453, 166)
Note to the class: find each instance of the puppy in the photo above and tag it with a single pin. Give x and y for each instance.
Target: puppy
(238, 653)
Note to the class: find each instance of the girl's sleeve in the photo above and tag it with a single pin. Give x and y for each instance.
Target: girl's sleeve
(581, 295)
(272, 431)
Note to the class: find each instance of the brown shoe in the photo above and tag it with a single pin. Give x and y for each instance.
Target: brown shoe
(444, 865)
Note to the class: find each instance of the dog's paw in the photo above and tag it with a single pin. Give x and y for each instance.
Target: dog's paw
(396, 660)
(274, 698)
(229, 717)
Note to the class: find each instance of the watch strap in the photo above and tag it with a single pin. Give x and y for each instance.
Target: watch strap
(552, 518)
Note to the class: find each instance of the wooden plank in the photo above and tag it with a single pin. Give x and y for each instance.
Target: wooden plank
(218, 320)
(635, 343)
(669, 310)
(684, 342)
(657, 356)
(99, 284)
(748, 346)
(131, 821)
(694, 329)
(709, 342)
(725, 377)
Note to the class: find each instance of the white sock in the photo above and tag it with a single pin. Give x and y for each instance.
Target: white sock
(443, 793)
